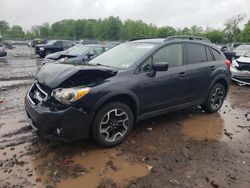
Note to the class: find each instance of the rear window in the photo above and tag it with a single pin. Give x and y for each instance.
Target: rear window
(195, 53)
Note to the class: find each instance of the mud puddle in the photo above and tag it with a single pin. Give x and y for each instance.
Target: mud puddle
(230, 123)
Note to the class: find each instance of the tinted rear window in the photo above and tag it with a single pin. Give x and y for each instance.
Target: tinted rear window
(195, 53)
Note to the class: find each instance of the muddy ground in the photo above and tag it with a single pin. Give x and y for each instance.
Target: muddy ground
(188, 148)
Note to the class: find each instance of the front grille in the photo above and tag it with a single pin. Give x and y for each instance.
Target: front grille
(243, 66)
(37, 94)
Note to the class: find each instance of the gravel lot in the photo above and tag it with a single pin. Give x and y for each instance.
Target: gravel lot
(188, 148)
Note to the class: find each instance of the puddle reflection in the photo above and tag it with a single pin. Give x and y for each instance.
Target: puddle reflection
(204, 126)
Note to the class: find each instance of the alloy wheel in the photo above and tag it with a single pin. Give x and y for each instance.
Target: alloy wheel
(114, 125)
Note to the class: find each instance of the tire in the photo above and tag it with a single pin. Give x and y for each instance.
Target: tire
(215, 98)
(112, 124)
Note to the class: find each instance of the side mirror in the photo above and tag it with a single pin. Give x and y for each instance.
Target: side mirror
(158, 66)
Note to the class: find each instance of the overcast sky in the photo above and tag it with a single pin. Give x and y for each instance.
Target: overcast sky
(176, 13)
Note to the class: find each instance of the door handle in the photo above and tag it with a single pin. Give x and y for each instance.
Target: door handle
(182, 74)
(212, 68)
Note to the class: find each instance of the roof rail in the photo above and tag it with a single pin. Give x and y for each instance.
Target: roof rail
(138, 38)
(187, 37)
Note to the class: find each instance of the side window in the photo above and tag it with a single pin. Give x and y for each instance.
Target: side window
(216, 54)
(195, 53)
(172, 54)
(146, 66)
(209, 55)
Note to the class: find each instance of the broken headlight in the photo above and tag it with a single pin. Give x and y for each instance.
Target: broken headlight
(68, 95)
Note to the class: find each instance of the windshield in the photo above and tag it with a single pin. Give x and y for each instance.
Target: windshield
(243, 47)
(123, 55)
(79, 50)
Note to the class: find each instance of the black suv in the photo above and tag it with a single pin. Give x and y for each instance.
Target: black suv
(135, 80)
(52, 46)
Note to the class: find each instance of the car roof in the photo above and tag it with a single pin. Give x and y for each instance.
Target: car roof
(171, 39)
(155, 40)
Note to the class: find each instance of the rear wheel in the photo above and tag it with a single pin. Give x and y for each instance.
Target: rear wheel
(112, 124)
(215, 98)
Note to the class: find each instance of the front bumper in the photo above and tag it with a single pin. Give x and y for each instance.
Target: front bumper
(243, 77)
(70, 124)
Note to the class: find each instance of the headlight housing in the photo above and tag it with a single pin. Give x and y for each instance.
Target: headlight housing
(41, 48)
(69, 95)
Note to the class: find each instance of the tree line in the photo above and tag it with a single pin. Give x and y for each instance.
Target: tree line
(112, 28)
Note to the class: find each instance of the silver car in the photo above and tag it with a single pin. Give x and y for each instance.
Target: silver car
(240, 69)
(2, 51)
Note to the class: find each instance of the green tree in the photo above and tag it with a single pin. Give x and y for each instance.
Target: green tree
(232, 30)
(215, 36)
(17, 32)
(245, 34)
(44, 30)
(165, 32)
(4, 28)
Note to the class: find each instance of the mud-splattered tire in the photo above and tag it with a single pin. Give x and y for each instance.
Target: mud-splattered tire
(112, 124)
(215, 98)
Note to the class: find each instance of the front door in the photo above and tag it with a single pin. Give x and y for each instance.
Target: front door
(167, 88)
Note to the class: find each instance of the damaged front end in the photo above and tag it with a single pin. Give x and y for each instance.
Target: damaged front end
(54, 102)
(240, 69)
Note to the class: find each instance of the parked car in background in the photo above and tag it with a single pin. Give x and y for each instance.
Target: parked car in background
(2, 51)
(240, 69)
(230, 54)
(105, 97)
(241, 50)
(38, 41)
(52, 46)
(76, 54)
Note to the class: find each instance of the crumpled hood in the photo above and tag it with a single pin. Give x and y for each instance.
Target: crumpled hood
(54, 74)
(244, 59)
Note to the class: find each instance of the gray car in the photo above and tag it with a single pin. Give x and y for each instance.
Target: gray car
(240, 69)
(76, 54)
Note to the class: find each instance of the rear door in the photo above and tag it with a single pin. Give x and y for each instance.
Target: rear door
(198, 59)
(166, 88)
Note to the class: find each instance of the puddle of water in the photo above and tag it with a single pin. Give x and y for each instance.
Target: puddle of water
(217, 126)
(204, 126)
(100, 164)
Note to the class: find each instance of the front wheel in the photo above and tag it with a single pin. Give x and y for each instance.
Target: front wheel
(215, 98)
(112, 124)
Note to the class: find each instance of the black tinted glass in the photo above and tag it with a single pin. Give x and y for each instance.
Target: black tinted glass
(195, 53)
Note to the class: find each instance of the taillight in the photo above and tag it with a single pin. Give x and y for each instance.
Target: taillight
(228, 63)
